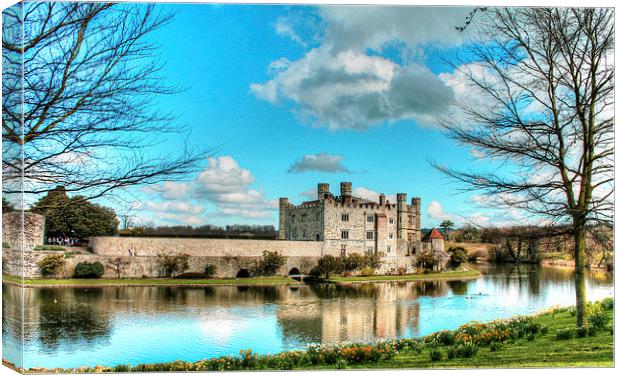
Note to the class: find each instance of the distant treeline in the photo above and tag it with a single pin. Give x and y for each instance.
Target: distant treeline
(205, 231)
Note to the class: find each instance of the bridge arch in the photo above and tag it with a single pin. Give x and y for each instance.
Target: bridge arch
(294, 271)
(243, 273)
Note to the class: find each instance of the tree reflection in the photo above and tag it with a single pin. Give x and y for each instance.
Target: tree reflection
(71, 316)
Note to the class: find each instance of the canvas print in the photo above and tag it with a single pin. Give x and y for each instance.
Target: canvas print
(211, 187)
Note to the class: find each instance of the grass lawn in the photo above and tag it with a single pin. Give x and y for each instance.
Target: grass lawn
(543, 351)
(460, 274)
(267, 280)
(270, 280)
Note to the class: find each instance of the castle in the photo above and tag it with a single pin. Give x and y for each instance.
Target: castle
(330, 225)
(348, 224)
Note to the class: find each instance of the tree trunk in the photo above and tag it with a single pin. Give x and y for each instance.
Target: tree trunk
(580, 281)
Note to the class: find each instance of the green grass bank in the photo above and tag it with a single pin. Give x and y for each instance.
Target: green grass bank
(266, 280)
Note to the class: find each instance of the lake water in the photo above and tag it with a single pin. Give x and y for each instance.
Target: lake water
(71, 327)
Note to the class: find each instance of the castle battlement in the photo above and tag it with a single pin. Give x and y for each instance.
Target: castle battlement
(351, 224)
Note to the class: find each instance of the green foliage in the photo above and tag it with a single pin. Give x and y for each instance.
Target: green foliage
(353, 262)
(608, 304)
(466, 349)
(269, 263)
(598, 319)
(172, 265)
(458, 257)
(495, 346)
(89, 270)
(468, 233)
(74, 216)
(327, 266)
(451, 352)
(565, 333)
(49, 248)
(51, 265)
(435, 355)
(341, 364)
(367, 271)
(210, 270)
(581, 331)
(6, 245)
(7, 206)
(446, 337)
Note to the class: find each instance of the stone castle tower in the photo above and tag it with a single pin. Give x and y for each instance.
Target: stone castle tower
(350, 224)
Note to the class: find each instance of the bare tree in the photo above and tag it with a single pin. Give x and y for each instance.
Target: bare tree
(89, 77)
(540, 86)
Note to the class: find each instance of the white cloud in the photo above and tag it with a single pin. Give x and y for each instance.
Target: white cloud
(223, 184)
(322, 162)
(351, 90)
(435, 211)
(339, 85)
(372, 195)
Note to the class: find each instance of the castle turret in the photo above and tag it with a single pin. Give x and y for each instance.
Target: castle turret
(382, 200)
(346, 189)
(401, 212)
(323, 191)
(416, 205)
(282, 229)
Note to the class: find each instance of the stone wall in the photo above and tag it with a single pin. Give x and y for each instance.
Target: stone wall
(143, 246)
(143, 266)
(30, 227)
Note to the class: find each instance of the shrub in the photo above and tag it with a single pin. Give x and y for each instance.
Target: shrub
(565, 333)
(608, 304)
(51, 265)
(341, 364)
(467, 349)
(435, 354)
(445, 337)
(458, 257)
(173, 264)
(544, 330)
(530, 336)
(495, 346)
(269, 263)
(367, 271)
(49, 247)
(210, 270)
(581, 331)
(451, 353)
(327, 266)
(572, 311)
(599, 319)
(89, 270)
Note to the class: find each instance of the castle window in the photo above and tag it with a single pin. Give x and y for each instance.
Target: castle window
(292, 218)
(304, 234)
(344, 234)
(410, 220)
(303, 218)
(391, 220)
(370, 250)
(318, 237)
(343, 250)
(345, 217)
(370, 218)
(370, 235)
(389, 248)
(391, 236)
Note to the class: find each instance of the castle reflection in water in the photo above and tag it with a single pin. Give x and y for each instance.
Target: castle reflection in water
(60, 318)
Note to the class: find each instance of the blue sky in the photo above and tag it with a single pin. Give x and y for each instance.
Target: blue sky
(294, 95)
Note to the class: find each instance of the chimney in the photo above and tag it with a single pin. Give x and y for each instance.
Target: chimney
(382, 200)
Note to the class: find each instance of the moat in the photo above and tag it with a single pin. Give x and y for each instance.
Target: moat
(71, 327)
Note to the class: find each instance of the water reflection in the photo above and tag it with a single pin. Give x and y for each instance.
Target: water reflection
(71, 327)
